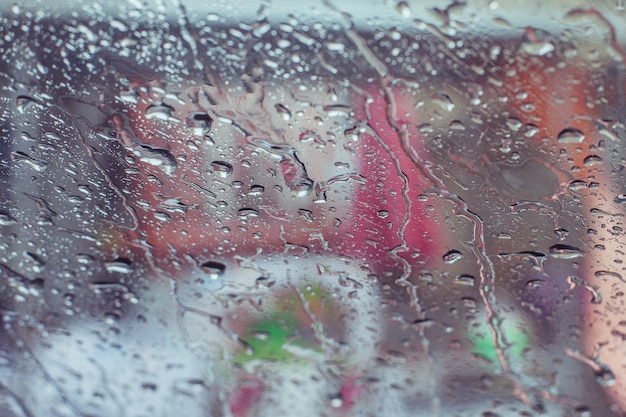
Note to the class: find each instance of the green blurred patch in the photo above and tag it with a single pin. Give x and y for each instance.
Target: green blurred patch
(284, 325)
(513, 339)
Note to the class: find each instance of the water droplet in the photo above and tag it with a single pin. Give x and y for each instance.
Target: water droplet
(174, 205)
(25, 103)
(6, 219)
(608, 274)
(130, 96)
(514, 123)
(23, 158)
(562, 251)
(121, 266)
(530, 181)
(199, 123)
(577, 185)
(592, 160)
(443, 101)
(605, 377)
(336, 402)
(570, 135)
(245, 213)
(561, 233)
(620, 199)
(213, 269)
(292, 168)
(158, 157)
(221, 168)
(476, 118)
(383, 214)
(256, 190)
(530, 130)
(159, 111)
(457, 125)
(536, 42)
(599, 212)
(466, 280)
(283, 111)
(535, 284)
(452, 256)
(159, 215)
(404, 9)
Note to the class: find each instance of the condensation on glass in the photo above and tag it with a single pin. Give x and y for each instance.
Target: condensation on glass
(312, 208)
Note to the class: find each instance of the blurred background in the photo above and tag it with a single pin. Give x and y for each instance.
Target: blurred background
(264, 208)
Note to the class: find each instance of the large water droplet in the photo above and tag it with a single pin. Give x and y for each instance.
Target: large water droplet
(608, 274)
(620, 199)
(570, 135)
(6, 219)
(592, 160)
(562, 251)
(25, 103)
(529, 181)
(25, 159)
(158, 157)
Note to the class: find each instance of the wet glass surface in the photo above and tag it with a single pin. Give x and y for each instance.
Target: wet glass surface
(334, 209)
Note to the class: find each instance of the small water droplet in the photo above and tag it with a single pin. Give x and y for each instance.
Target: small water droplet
(256, 190)
(570, 135)
(443, 101)
(199, 123)
(457, 125)
(159, 215)
(130, 96)
(221, 168)
(577, 185)
(213, 269)
(467, 280)
(158, 157)
(404, 9)
(536, 42)
(535, 284)
(121, 266)
(245, 213)
(605, 377)
(530, 130)
(514, 123)
(283, 112)
(336, 402)
(476, 118)
(452, 256)
(561, 233)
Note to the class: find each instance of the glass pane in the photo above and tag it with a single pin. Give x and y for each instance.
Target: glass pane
(336, 208)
